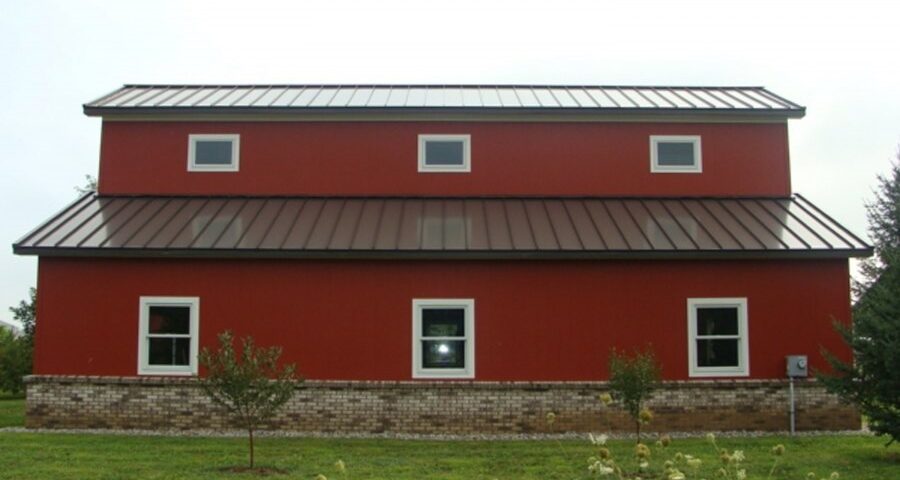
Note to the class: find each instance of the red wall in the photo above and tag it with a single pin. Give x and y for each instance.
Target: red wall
(352, 319)
(379, 158)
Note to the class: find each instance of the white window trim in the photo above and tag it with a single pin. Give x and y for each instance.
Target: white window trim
(235, 140)
(655, 167)
(743, 368)
(469, 370)
(144, 367)
(467, 154)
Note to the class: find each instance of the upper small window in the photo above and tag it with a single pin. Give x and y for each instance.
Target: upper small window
(213, 153)
(444, 153)
(675, 154)
(168, 336)
(717, 336)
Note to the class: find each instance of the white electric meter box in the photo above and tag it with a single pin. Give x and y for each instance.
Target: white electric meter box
(797, 366)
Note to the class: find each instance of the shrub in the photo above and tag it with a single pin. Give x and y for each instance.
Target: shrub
(15, 361)
(249, 385)
(632, 378)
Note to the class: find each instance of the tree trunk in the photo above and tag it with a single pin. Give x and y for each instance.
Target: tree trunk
(638, 425)
(250, 430)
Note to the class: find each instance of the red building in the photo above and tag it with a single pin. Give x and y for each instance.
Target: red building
(452, 258)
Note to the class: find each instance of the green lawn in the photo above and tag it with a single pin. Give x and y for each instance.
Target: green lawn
(68, 456)
(62, 456)
(12, 410)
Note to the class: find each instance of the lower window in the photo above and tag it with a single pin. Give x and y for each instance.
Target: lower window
(444, 338)
(717, 337)
(168, 335)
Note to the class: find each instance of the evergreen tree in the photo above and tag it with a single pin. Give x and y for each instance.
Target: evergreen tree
(872, 380)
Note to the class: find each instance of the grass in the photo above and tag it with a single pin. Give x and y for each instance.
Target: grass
(12, 410)
(65, 456)
(70, 456)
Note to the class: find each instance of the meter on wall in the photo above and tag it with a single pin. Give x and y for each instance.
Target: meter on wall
(797, 366)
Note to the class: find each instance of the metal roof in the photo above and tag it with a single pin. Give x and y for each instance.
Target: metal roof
(375, 227)
(519, 98)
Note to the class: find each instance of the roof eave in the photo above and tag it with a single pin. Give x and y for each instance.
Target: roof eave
(575, 112)
(443, 254)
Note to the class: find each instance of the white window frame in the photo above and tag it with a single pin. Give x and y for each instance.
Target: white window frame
(743, 337)
(144, 367)
(655, 167)
(468, 305)
(235, 140)
(466, 167)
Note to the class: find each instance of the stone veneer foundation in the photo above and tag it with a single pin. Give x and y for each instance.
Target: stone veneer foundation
(435, 407)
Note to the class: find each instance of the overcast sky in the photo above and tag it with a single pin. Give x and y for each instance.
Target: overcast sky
(838, 59)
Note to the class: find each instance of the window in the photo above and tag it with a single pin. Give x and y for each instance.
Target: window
(444, 338)
(168, 335)
(213, 153)
(717, 337)
(675, 154)
(444, 153)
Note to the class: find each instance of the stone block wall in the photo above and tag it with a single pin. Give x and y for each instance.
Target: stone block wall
(435, 407)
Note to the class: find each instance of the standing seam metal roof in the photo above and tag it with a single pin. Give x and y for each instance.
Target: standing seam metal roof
(553, 227)
(148, 98)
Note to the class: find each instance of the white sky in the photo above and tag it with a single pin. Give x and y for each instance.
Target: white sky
(841, 60)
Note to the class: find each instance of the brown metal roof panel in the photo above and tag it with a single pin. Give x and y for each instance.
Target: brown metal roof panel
(50, 237)
(477, 234)
(745, 219)
(797, 227)
(775, 224)
(647, 227)
(109, 207)
(826, 221)
(432, 225)
(456, 226)
(539, 222)
(388, 232)
(696, 231)
(240, 225)
(721, 235)
(733, 227)
(283, 226)
(497, 224)
(561, 224)
(257, 228)
(582, 225)
(607, 228)
(345, 226)
(367, 227)
(314, 225)
(520, 230)
(201, 219)
(813, 224)
(227, 218)
(34, 236)
(674, 232)
(409, 236)
(108, 232)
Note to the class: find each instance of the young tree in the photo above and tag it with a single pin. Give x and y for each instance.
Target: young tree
(16, 351)
(249, 384)
(872, 379)
(632, 380)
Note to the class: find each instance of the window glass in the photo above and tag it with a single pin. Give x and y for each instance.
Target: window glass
(170, 351)
(675, 154)
(444, 153)
(717, 353)
(443, 353)
(717, 321)
(443, 338)
(443, 322)
(213, 152)
(170, 319)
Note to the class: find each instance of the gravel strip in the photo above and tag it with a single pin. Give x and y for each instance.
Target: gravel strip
(411, 436)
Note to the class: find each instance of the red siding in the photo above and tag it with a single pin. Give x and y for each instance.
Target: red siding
(379, 158)
(352, 320)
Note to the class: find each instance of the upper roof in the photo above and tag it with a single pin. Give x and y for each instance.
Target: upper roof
(443, 228)
(394, 98)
